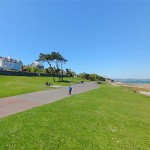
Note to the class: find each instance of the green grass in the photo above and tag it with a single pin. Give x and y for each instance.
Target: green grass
(15, 85)
(102, 119)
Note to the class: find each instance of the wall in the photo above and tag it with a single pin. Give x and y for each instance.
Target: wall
(19, 73)
(16, 73)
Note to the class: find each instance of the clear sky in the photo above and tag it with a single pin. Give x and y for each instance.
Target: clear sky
(110, 38)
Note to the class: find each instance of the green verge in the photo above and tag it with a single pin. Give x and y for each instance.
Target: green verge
(105, 118)
(15, 85)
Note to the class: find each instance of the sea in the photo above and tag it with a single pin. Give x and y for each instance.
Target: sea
(134, 81)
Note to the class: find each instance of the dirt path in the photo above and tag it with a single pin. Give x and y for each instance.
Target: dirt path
(15, 104)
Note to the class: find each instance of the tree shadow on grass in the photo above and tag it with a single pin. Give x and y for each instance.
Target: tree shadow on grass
(65, 81)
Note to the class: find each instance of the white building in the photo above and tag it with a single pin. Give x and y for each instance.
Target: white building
(36, 64)
(7, 63)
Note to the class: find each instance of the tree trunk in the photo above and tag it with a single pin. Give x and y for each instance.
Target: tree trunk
(62, 76)
(53, 73)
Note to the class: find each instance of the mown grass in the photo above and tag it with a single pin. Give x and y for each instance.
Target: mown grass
(15, 85)
(105, 118)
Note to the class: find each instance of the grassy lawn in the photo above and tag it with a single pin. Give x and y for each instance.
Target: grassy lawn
(15, 85)
(102, 119)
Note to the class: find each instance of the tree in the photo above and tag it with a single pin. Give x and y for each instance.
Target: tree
(27, 68)
(47, 58)
(50, 58)
(34, 69)
(70, 73)
(59, 60)
(92, 77)
(84, 75)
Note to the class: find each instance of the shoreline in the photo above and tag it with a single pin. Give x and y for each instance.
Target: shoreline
(140, 88)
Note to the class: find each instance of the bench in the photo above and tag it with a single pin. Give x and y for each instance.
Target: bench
(82, 82)
(48, 84)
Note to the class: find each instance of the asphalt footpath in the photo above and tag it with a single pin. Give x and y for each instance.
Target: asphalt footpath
(19, 103)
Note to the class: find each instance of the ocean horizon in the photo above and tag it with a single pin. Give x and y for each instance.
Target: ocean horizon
(134, 81)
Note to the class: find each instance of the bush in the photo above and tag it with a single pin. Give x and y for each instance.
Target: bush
(99, 82)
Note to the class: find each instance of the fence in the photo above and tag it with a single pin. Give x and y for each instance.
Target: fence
(19, 73)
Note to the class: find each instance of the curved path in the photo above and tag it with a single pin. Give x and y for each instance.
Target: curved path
(19, 103)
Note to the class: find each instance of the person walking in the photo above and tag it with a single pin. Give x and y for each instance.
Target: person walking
(69, 90)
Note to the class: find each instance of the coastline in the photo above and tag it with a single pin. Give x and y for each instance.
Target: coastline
(141, 88)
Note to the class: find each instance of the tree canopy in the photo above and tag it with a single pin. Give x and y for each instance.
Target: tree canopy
(58, 59)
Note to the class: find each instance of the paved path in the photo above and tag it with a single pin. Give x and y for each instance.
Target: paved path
(15, 104)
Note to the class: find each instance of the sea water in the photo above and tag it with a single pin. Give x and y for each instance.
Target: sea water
(134, 81)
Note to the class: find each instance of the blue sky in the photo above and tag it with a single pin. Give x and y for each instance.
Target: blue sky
(110, 38)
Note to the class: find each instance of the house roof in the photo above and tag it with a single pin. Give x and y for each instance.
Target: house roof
(8, 59)
(36, 64)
